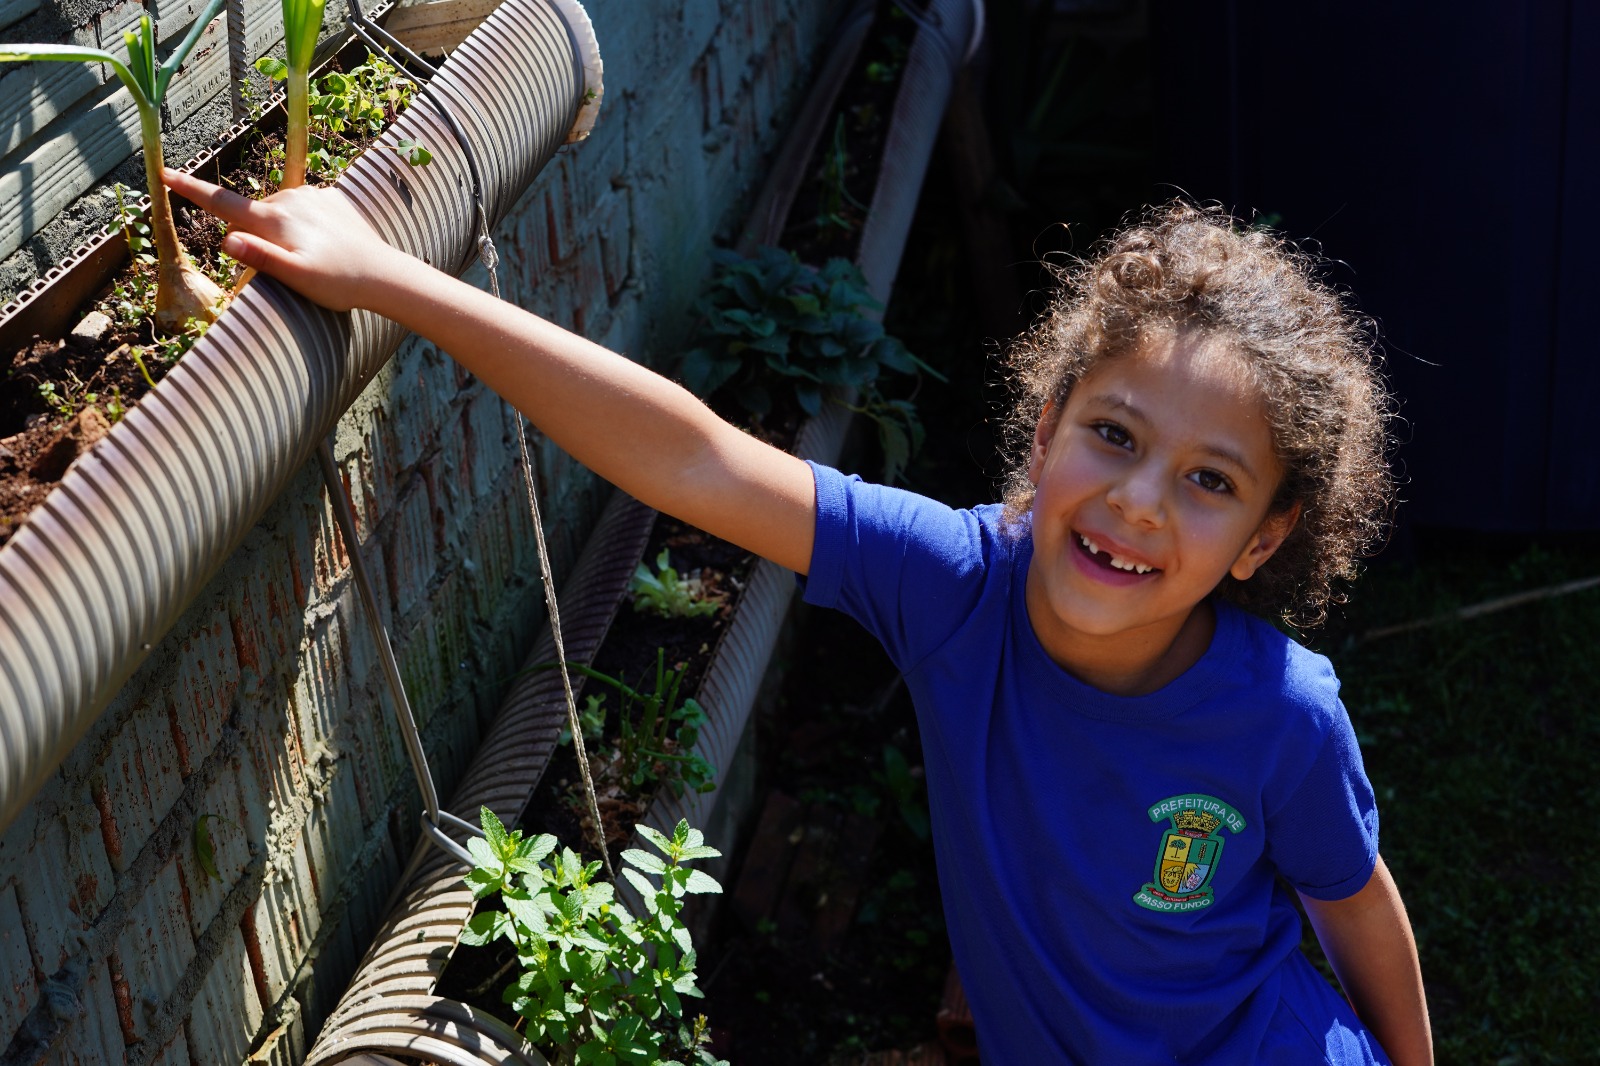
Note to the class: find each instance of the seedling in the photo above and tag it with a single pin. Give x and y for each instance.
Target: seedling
(596, 984)
(665, 594)
(363, 99)
(182, 291)
(592, 720)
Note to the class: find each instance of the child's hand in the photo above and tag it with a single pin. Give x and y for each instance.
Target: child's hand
(312, 240)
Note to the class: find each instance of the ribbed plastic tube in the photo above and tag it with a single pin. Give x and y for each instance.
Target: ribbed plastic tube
(139, 525)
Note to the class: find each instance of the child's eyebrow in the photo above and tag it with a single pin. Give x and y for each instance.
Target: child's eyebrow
(1112, 402)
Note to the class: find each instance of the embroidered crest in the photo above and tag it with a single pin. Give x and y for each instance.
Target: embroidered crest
(1191, 848)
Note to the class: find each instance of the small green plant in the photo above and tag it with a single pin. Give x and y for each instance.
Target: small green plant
(837, 210)
(656, 733)
(133, 224)
(596, 984)
(182, 291)
(68, 399)
(168, 348)
(663, 593)
(772, 324)
(340, 106)
(592, 720)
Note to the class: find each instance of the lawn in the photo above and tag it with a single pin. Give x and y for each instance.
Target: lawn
(1481, 739)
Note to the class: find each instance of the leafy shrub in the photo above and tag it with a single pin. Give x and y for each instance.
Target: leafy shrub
(771, 324)
(596, 984)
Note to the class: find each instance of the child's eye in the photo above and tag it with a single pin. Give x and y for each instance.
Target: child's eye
(1211, 481)
(1112, 433)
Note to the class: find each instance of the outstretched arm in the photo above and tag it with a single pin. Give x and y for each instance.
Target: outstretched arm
(1367, 938)
(633, 427)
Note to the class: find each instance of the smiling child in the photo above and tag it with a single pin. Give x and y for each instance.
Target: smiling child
(1130, 774)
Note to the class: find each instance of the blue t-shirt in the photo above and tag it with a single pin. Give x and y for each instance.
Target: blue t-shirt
(1109, 865)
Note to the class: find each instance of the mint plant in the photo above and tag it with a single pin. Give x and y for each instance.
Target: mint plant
(771, 324)
(665, 594)
(596, 984)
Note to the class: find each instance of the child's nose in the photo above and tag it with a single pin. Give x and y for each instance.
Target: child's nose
(1139, 497)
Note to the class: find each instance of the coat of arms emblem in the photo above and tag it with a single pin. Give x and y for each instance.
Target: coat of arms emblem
(1190, 851)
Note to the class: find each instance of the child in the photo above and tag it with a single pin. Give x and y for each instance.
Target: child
(1125, 770)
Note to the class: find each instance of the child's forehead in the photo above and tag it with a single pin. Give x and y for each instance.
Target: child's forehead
(1209, 365)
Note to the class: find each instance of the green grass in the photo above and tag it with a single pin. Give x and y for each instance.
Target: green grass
(1482, 739)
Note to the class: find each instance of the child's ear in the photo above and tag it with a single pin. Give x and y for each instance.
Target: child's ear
(1049, 418)
(1267, 539)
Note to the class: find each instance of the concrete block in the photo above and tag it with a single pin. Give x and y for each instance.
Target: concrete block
(320, 691)
(276, 757)
(155, 946)
(420, 670)
(412, 548)
(373, 741)
(262, 612)
(285, 1045)
(335, 964)
(116, 20)
(176, 1053)
(253, 799)
(16, 10)
(330, 558)
(202, 76)
(84, 143)
(200, 694)
(56, 911)
(334, 833)
(488, 450)
(228, 1013)
(226, 829)
(34, 95)
(273, 936)
(138, 780)
(95, 1037)
(19, 989)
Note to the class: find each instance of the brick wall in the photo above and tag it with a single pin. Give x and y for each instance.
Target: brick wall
(260, 722)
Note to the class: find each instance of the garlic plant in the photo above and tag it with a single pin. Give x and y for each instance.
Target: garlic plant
(182, 291)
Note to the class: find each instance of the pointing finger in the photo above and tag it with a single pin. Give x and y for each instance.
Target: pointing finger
(224, 203)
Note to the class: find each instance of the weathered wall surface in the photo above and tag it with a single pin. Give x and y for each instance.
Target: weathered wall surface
(260, 717)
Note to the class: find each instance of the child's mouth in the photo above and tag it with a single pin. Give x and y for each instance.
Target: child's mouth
(1107, 561)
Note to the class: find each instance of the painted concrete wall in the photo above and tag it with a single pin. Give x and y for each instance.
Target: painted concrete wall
(260, 716)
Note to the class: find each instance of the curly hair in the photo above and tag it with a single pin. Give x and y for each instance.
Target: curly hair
(1187, 270)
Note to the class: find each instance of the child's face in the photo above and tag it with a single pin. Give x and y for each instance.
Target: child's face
(1153, 483)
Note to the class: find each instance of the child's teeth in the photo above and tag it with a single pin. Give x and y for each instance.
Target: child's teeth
(1119, 563)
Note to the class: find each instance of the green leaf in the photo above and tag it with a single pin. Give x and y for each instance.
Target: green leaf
(493, 831)
(529, 914)
(413, 153)
(276, 69)
(701, 882)
(203, 852)
(656, 837)
(484, 854)
(484, 927)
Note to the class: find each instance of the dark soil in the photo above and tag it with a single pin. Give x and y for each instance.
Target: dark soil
(38, 438)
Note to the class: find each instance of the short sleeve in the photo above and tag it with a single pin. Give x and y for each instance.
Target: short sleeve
(1324, 838)
(904, 566)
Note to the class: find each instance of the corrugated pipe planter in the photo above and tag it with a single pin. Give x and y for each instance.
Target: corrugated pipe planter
(139, 524)
(391, 1006)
